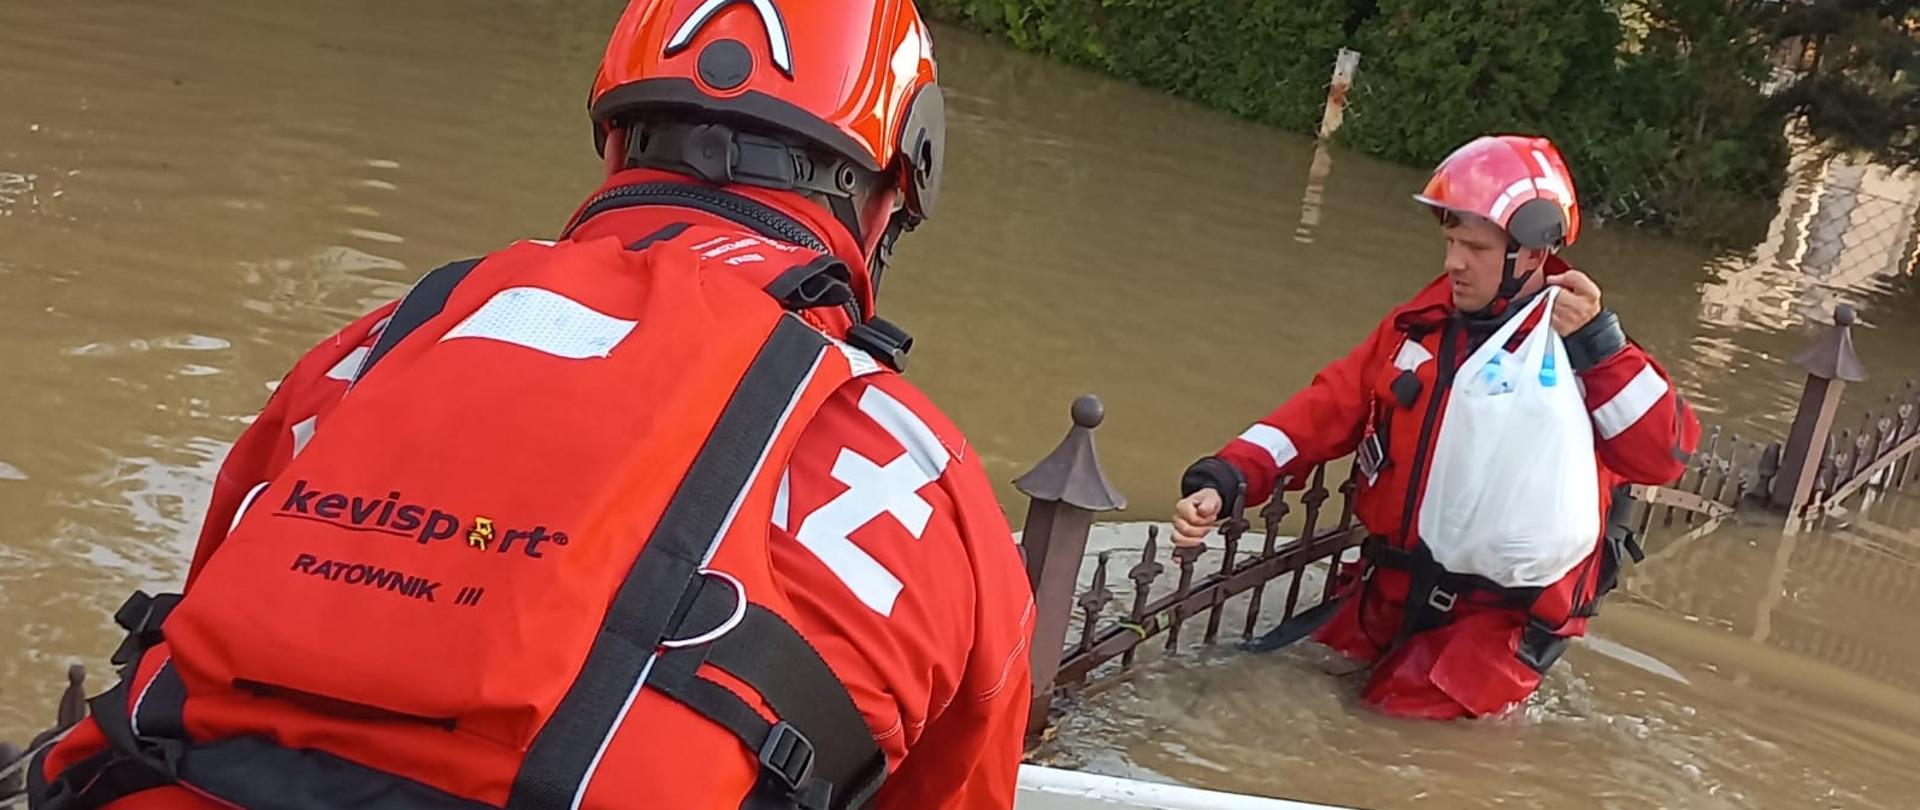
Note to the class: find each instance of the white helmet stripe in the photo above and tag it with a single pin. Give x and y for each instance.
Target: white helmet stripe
(777, 40)
(1550, 180)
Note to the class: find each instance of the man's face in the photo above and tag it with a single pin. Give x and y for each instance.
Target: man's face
(1476, 252)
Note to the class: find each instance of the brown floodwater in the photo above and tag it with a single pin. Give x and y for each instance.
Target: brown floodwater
(192, 193)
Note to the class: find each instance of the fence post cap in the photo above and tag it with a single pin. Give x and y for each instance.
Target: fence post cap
(1832, 357)
(1088, 412)
(1071, 473)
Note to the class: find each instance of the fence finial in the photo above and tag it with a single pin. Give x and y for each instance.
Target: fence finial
(1065, 490)
(1071, 474)
(1832, 358)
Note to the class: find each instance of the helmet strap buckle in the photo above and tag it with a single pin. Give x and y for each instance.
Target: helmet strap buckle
(710, 152)
(720, 154)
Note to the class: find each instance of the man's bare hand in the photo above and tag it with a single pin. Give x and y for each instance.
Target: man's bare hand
(1577, 304)
(1194, 517)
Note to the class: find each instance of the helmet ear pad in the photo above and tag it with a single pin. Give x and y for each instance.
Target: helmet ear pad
(1538, 223)
(923, 152)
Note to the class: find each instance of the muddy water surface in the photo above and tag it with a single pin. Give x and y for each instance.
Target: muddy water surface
(191, 193)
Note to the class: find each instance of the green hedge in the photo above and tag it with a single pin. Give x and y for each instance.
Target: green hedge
(1259, 59)
(1665, 127)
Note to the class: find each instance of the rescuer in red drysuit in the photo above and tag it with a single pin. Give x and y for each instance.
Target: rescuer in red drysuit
(1466, 647)
(643, 516)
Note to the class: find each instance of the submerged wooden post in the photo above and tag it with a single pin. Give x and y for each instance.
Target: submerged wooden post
(1343, 67)
(1830, 365)
(1317, 174)
(1064, 490)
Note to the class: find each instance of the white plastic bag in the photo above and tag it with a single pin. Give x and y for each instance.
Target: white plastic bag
(1513, 492)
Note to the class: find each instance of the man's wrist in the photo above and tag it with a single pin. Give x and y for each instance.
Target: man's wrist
(1599, 339)
(1212, 473)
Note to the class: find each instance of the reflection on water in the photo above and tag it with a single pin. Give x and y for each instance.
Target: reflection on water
(191, 193)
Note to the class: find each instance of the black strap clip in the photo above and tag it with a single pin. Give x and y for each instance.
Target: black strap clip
(823, 282)
(887, 343)
(787, 755)
(141, 616)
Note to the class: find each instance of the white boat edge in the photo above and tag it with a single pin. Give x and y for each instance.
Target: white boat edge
(1043, 788)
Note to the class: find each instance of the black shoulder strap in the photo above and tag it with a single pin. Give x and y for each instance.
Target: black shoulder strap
(768, 654)
(817, 752)
(427, 299)
(567, 748)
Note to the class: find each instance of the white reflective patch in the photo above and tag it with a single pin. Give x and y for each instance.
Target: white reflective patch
(862, 363)
(349, 365)
(303, 433)
(541, 242)
(1412, 355)
(544, 321)
(874, 490)
(745, 258)
(1273, 440)
(1632, 403)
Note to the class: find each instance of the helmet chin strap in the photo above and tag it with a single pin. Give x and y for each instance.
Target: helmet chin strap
(897, 224)
(1510, 285)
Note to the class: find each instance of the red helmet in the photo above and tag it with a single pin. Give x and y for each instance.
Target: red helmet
(1519, 182)
(810, 95)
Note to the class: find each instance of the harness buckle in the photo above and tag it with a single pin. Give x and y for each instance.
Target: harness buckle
(787, 754)
(1441, 600)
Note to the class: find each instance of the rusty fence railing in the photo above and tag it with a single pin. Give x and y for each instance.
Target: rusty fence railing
(1199, 592)
(1819, 470)
(1067, 488)
(1878, 457)
(1723, 474)
(1811, 474)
